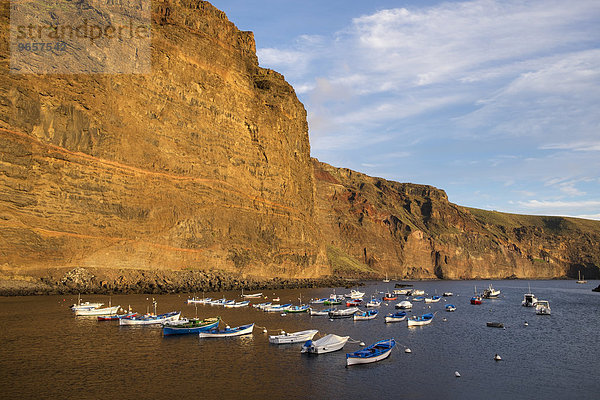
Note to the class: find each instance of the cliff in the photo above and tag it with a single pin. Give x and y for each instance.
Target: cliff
(413, 231)
(204, 164)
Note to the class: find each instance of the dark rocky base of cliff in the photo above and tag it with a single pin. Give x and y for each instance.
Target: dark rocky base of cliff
(84, 281)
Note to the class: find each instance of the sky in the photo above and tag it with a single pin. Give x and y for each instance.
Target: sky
(496, 102)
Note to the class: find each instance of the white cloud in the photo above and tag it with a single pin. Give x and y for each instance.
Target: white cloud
(543, 204)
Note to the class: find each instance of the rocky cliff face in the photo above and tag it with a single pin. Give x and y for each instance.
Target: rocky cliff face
(204, 163)
(413, 231)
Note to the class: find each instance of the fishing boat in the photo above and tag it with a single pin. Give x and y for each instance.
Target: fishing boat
(476, 300)
(365, 315)
(354, 294)
(433, 299)
(542, 307)
(326, 311)
(389, 297)
(373, 303)
(417, 292)
(98, 311)
(375, 352)
(396, 317)
(318, 301)
(343, 313)
(277, 307)
(402, 292)
(298, 309)
(529, 299)
(238, 304)
(204, 300)
(115, 317)
(261, 306)
(419, 298)
(229, 303)
(580, 280)
(194, 325)
(227, 332)
(450, 307)
(326, 344)
(448, 294)
(84, 306)
(491, 293)
(495, 324)
(151, 319)
(218, 302)
(353, 302)
(332, 301)
(424, 319)
(251, 295)
(404, 305)
(295, 337)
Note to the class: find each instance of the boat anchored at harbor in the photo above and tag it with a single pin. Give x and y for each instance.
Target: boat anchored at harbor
(373, 353)
(326, 344)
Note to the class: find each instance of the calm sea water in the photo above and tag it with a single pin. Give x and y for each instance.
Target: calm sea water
(46, 352)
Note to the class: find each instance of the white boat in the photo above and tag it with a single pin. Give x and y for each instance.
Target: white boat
(491, 293)
(404, 305)
(424, 319)
(542, 307)
(581, 280)
(326, 344)
(318, 301)
(529, 299)
(433, 299)
(84, 306)
(295, 337)
(372, 353)
(343, 313)
(386, 280)
(251, 295)
(395, 317)
(355, 294)
(98, 311)
(151, 319)
(402, 292)
(321, 312)
(228, 332)
(261, 306)
(448, 294)
(365, 315)
(417, 292)
(237, 304)
(194, 300)
(278, 307)
(450, 307)
(373, 303)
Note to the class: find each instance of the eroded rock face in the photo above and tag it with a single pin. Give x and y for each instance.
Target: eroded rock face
(413, 231)
(203, 163)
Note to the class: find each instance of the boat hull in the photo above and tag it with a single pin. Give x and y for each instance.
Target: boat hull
(325, 346)
(238, 331)
(296, 337)
(371, 354)
(183, 330)
(160, 319)
(98, 311)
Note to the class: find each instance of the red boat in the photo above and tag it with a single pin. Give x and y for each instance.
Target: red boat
(116, 316)
(475, 300)
(353, 303)
(389, 296)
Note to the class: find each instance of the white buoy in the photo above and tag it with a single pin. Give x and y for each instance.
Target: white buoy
(444, 319)
(283, 314)
(497, 358)
(361, 344)
(265, 330)
(331, 319)
(282, 332)
(456, 374)
(227, 327)
(407, 350)
(526, 324)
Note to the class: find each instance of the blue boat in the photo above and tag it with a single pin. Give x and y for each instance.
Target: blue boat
(375, 352)
(191, 326)
(298, 309)
(424, 319)
(450, 307)
(396, 317)
(227, 332)
(365, 315)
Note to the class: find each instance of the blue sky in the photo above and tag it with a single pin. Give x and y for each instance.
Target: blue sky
(496, 102)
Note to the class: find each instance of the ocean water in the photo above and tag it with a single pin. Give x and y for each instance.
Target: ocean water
(48, 353)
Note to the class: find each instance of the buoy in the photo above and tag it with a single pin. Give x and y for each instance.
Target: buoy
(407, 350)
(265, 330)
(227, 327)
(283, 314)
(497, 358)
(456, 374)
(526, 324)
(444, 319)
(331, 319)
(282, 332)
(361, 344)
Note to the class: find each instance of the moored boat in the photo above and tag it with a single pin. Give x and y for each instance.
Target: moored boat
(115, 317)
(326, 311)
(318, 301)
(402, 292)
(204, 300)
(228, 332)
(326, 344)
(295, 337)
(373, 303)
(476, 300)
(417, 292)
(277, 307)
(298, 309)
(261, 306)
(495, 324)
(389, 297)
(252, 295)
(192, 326)
(353, 302)
(98, 311)
(450, 307)
(433, 299)
(447, 294)
(237, 304)
(419, 298)
(354, 294)
(150, 319)
(424, 319)
(85, 305)
(365, 315)
(404, 305)
(396, 317)
(343, 313)
(375, 352)
(542, 307)
(491, 293)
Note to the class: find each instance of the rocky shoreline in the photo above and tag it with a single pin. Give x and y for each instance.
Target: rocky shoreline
(86, 281)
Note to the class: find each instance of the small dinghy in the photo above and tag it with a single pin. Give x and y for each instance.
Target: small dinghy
(404, 305)
(194, 300)
(298, 309)
(326, 344)
(116, 316)
(237, 304)
(433, 299)
(321, 312)
(318, 301)
(365, 315)
(295, 337)
(495, 324)
(192, 326)
(252, 295)
(424, 319)
(542, 307)
(396, 317)
(373, 353)
(228, 332)
(448, 294)
(389, 297)
(450, 307)
(476, 300)
(262, 306)
(419, 298)
(277, 307)
(353, 302)
(373, 303)
(344, 313)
